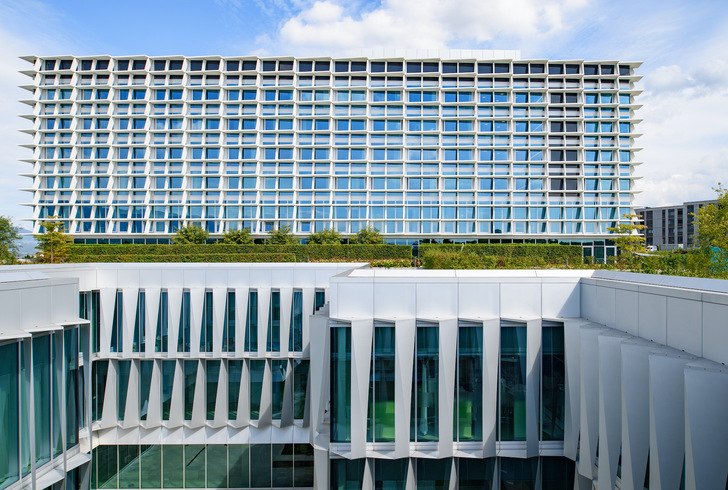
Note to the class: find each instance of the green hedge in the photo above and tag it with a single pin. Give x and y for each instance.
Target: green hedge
(550, 253)
(217, 257)
(301, 253)
(500, 256)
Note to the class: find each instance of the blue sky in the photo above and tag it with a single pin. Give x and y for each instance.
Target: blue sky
(684, 47)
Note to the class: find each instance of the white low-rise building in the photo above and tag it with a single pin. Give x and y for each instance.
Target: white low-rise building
(341, 376)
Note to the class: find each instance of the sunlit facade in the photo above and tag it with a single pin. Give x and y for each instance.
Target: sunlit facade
(333, 376)
(481, 146)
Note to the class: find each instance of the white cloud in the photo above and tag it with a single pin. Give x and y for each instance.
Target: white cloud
(328, 26)
(685, 145)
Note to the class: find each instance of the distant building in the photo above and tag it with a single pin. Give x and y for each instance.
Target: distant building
(670, 227)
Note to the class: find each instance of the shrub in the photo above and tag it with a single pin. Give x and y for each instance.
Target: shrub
(325, 237)
(368, 236)
(238, 237)
(190, 234)
(281, 236)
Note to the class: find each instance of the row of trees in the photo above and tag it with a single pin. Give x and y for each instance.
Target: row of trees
(280, 236)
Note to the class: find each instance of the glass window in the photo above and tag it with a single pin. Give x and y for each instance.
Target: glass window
(162, 335)
(300, 384)
(433, 473)
(172, 460)
(9, 403)
(145, 383)
(206, 327)
(257, 370)
(475, 474)
(512, 420)
(295, 339)
(117, 324)
(424, 417)
(190, 373)
(347, 474)
(341, 384)
(278, 382)
(553, 383)
(380, 427)
(228, 333)
(251, 323)
(274, 323)
(168, 369)
(183, 337)
(212, 369)
(469, 403)
(239, 464)
(390, 473)
(235, 372)
(124, 368)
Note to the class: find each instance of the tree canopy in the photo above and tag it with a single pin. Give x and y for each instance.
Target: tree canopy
(9, 237)
(368, 236)
(237, 237)
(628, 237)
(325, 237)
(190, 234)
(712, 235)
(281, 236)
(54, 243)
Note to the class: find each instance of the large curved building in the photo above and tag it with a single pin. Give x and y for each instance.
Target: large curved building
(339, 376)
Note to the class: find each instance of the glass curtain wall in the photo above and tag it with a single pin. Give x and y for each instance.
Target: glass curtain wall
(553, 380)
(469, 391)
(341, 384)
(512, 392)
(425, 388)
(380, 426)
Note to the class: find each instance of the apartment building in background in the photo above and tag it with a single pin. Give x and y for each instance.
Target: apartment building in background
(338, 376)
(457, 145)
(671, 227)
